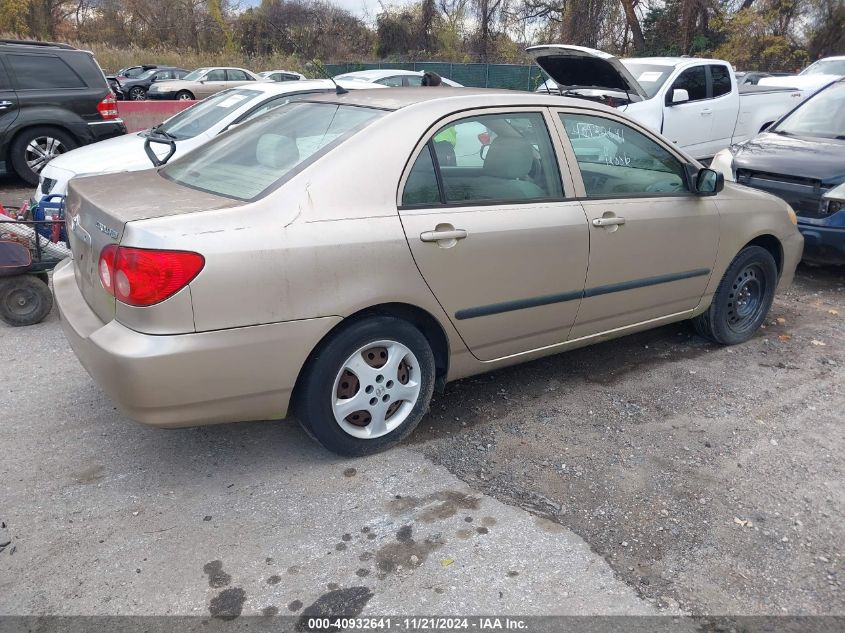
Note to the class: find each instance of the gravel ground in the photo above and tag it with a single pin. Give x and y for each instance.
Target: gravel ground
(710, 479)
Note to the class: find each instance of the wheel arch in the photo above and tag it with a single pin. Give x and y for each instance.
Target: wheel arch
(771, 244)
(57, 125)
(423, 320)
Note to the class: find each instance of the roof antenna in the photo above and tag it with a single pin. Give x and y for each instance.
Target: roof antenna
(340, 90)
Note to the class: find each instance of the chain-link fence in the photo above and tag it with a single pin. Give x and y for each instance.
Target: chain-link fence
(510, 76)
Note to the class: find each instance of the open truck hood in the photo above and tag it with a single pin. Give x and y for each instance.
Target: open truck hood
(581, 67)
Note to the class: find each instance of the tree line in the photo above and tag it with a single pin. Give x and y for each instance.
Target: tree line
(752, 34)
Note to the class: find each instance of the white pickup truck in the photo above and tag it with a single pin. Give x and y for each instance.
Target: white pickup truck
(694, 102)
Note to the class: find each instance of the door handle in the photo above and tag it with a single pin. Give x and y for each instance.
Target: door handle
(608, 221)
(707, 112)
(5, 104)
(441, 236)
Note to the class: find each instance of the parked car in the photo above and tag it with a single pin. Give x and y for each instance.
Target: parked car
(391, 77)
(202, 83)
(136, 88)
(187, 130)
(124, 73)
(323, 260)
(694, 102)
(801, 159)
(53, 98)
(814, 77)
(753, 77)
(281, 75)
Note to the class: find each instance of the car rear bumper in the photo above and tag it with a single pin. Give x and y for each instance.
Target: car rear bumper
(180, 380)
(823, 244)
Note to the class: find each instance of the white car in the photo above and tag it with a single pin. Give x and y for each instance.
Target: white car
(693, 102)
(281, 75)
(814, 77)
(188, 129)
(391, 77)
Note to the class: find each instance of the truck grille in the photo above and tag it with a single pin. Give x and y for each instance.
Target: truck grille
(802, 194)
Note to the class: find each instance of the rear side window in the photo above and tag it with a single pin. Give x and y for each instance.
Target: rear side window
(237, 75)
(394, 82)
(617, 160)
(421, 188)
(256, 158)
(495, 158)
(721, 80)
(42, 72)
(694, 81)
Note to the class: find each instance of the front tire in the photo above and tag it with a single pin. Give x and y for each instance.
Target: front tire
(137, 94)
(366, 388)
(33, 148)
(742, 300)
(24, 300)
(184, 95)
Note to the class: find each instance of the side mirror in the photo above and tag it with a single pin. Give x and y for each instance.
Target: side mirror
(679, 95)
(709, 182)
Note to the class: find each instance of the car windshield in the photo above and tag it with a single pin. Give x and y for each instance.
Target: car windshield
(649, 76)
(825, 67)
(258, 156)
(195, 74)
(823, 115)
(199, 118)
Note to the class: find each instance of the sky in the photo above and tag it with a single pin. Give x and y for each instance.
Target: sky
(366, 9)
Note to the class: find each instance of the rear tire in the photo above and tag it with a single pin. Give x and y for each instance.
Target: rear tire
(34, 147)
(742, 300)
(184, 95)
(24, 300)
(367, 387)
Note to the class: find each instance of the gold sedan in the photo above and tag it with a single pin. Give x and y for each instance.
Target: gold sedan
(342, 256)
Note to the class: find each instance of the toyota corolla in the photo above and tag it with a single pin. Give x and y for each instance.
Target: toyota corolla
(341, 257)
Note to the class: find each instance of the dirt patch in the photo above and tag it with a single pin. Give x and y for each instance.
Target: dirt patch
(707, 476)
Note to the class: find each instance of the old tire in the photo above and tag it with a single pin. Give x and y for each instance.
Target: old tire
(137, 94)
(184, 95)
(742, 299)
(367, 387)
(24, 300)
(34, 147)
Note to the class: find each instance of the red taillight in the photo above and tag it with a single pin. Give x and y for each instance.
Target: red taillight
(143, 277)
(108, 107)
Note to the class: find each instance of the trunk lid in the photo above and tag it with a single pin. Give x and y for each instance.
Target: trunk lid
(573, 67)
(98, 208)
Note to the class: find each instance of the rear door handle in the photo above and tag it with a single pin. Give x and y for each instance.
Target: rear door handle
(439, 236)
(608, 221)
(707, 112)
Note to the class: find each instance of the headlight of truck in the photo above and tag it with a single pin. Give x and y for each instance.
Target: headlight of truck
(833, 201)
(723, 162)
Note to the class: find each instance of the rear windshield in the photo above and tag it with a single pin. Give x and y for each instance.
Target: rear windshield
(200, 117)
(258, 156)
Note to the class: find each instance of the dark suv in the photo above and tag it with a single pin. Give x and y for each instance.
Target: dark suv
(53, 98)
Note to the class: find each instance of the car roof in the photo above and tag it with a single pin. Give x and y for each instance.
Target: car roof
(378, 73)
(462, 98)
(276, 87)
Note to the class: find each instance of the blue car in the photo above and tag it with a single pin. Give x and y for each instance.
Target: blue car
(801, 158)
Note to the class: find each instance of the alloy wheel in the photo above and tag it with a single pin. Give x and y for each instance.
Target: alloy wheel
(41, 150)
